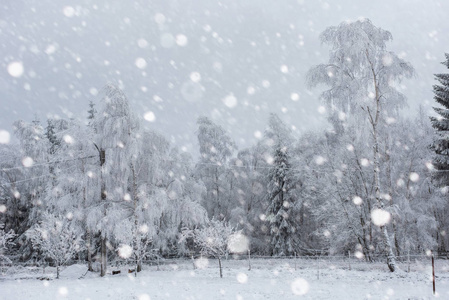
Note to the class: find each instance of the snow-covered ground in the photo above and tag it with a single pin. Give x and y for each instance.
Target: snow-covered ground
(267, 279)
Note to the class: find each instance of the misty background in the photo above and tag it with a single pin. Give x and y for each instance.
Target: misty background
(232, 61)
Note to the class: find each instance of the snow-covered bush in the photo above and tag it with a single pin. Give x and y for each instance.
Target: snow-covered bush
(5, 241)
(212, 240)
(57, 238)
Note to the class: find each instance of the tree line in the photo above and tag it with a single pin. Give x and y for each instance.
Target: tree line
(373, 183)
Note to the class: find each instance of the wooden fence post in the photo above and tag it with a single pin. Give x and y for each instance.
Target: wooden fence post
(295, 261)
(349, 260)
(433, 273)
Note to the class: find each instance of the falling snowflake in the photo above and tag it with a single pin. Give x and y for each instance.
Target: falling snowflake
(15, 68)
(380, 217)
(300, 286)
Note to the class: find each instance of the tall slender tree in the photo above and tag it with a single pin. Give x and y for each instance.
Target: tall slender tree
(362, 74)
(113, 126)
(216, 148)
(281, 196)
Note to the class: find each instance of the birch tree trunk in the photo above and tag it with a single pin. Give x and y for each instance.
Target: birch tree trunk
(104, 251)
(374, 120)
(136, 221)
(89, 250)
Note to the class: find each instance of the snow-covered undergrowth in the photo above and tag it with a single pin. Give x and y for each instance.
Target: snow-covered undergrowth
(267, 279)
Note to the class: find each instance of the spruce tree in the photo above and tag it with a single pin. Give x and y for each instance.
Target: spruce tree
(51, 136)
(281, 194)
(441, 124)
(92, 111)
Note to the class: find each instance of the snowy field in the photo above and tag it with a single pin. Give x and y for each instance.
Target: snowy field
(267, 279)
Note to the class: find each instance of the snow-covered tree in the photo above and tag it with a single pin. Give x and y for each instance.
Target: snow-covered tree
(57, 238)
(114, 139)
(75, 185)
(249, 169)
(13, 190)
(441, 124)
(362, 75)
(216, 148)
(282, 185)
(6, 240)
(212, 239)
(34, 151)
(91, 112)
(440, 146)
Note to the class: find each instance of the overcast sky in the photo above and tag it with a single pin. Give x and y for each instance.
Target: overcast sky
(233, 61)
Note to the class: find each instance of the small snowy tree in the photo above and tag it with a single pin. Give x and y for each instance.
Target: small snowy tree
(212, 240)
(57, 238)
(5, 241)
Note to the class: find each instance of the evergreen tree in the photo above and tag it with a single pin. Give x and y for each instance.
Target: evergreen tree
(92, 111)
(51, 136)
(281, 186)
(440, 146)
(441, 124)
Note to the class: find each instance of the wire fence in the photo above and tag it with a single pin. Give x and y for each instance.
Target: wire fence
(407, 263)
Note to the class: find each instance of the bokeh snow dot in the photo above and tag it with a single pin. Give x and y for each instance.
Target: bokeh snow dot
(321, 109)
(230, 101)
(4, 137)
(68, 139)
(141, 63)
(238, 243)
(27, 162)
(284, 69)
(266, 84)
(93, 91)
(144, 297)
(2, 209)
(181, 40)
(358, 254)
(429, 166)
(15, 68)
(159, 18)
(144, 228)
(142, 43)
(294, 96)
(357, 200)
(380, 217)
(242, 278)
(63, 291)
(149, 116)
(195, 77)
(125, 251)
(300, 286)
(201, 263)
(69, 11)
(364, 162)
(319, 160)
(414, 177)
